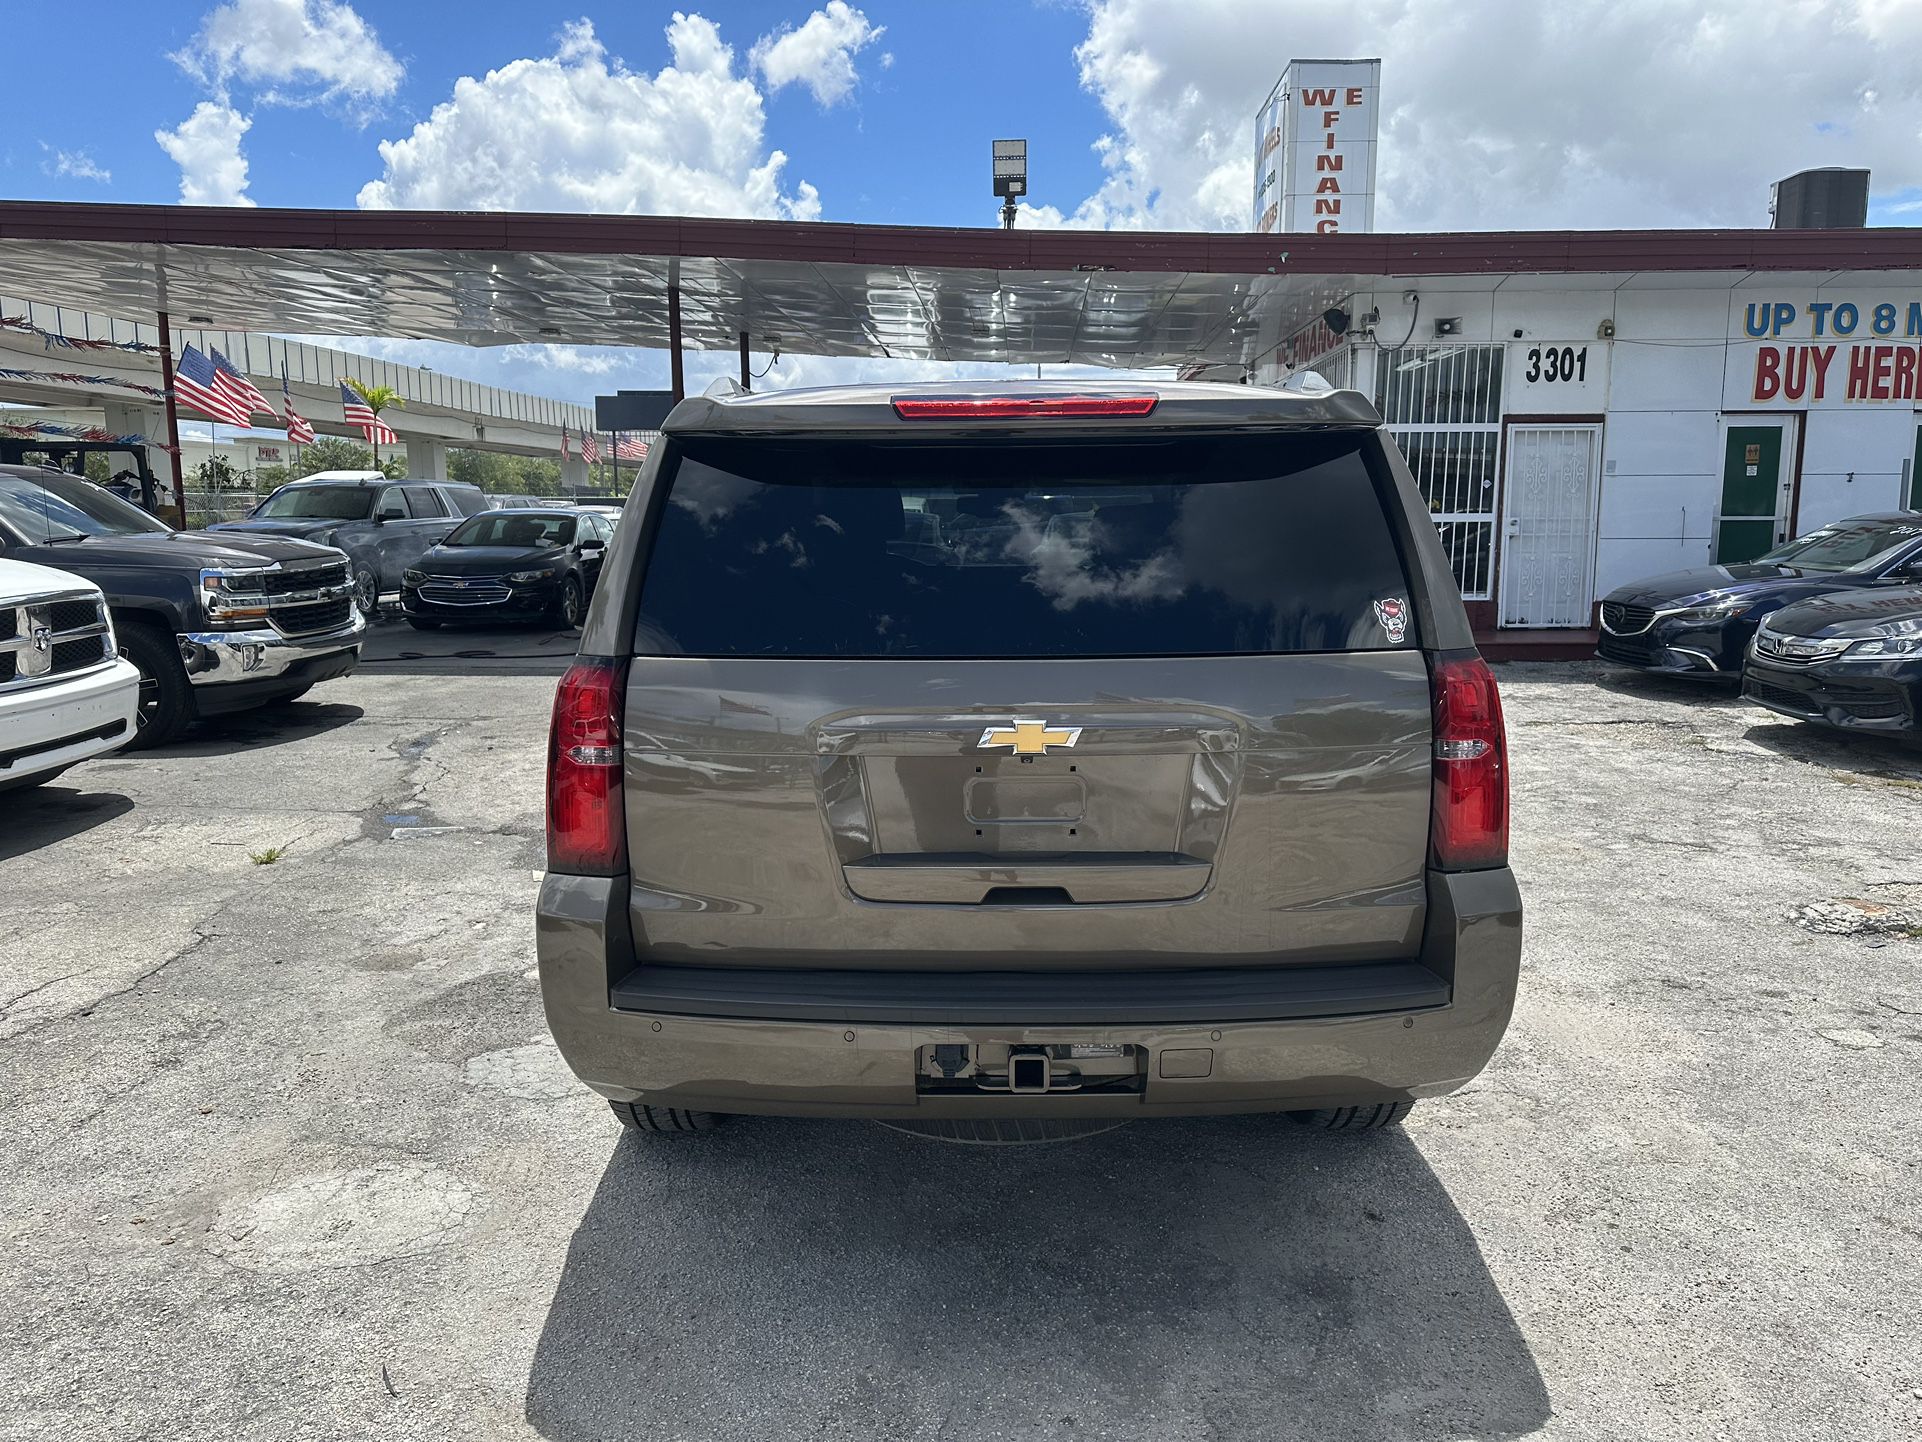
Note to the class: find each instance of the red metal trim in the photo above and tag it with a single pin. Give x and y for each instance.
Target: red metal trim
(1460, 253)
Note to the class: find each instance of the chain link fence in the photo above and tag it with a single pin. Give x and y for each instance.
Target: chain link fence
(206, 507)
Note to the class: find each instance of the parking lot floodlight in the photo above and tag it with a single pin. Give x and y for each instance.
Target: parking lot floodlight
(1010, 176)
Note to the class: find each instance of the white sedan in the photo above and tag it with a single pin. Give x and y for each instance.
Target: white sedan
(66, 694)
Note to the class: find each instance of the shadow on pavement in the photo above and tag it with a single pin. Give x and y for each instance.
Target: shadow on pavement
(1622, 681)
(391, 646)
(275, 724)
(40, 816)
(1234, 1277)
(1881, 757)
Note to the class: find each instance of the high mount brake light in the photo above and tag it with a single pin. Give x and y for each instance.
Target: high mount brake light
(929, 408)
(1469, 826)
(586, 824)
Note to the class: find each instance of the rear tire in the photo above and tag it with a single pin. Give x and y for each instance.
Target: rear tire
(1371, 1118)
(664, 1121)
(166, 697)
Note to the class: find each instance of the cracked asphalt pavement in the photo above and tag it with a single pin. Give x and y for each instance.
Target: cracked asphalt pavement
(288, 1154)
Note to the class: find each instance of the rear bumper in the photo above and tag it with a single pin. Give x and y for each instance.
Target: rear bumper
(845, 1044)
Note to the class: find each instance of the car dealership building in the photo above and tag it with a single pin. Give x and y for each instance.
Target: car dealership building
(1576, 430)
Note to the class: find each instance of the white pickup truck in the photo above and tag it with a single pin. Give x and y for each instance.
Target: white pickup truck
(65, 692)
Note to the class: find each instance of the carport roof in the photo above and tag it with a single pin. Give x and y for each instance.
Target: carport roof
(1102, 297)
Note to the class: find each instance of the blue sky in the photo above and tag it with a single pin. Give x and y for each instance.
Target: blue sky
(909, 146)
(1599, 114)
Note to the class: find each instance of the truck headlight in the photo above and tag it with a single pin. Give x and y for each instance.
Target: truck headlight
(234, 597)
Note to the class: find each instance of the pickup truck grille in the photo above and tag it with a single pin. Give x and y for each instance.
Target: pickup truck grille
(46, 638)
(306, 578)
(310, 616)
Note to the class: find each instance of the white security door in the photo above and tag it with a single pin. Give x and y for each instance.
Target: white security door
(1548, 525)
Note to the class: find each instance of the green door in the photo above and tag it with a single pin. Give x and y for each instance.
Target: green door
(1751, 516)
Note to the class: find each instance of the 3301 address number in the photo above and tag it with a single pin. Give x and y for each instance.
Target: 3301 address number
(1556, 363)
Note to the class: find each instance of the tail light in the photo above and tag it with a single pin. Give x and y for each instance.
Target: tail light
(928, 408)
(586, 824)
(1469, 826)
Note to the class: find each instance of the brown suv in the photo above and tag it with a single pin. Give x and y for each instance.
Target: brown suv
(985, 761)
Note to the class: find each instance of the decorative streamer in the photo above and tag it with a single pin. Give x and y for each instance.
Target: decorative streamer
(78, 433)
(54, 338)
(68, 378)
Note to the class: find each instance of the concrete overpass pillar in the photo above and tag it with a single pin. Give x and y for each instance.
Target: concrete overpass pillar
(574, 475)
(426, 459)
(129, 420)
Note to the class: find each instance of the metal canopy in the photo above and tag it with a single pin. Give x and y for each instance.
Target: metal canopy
(1105, 298)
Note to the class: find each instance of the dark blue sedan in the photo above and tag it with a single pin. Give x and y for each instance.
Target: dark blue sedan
(1699, 623)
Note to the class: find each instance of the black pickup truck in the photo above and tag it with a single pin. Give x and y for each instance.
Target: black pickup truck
(214, 623)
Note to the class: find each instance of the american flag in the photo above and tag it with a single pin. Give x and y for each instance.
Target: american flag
(237, 388)
(356, 412)
(299, 431)
(197, 383)
(629, 448)
(566, 453)
(590, 449)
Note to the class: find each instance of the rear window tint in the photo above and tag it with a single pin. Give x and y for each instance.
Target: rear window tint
(1196, 545)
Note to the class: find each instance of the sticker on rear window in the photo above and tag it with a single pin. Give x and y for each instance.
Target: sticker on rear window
(1392, 612)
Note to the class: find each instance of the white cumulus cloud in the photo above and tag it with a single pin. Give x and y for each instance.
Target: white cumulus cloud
(577, 130)
(1588, 113)
(293, 52)
(819, 54)
(206, 147)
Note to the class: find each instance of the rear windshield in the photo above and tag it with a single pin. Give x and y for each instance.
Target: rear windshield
(1200, 546)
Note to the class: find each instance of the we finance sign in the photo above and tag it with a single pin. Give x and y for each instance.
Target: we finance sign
(1834, 352)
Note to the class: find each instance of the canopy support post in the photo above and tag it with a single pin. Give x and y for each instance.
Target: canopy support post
(746, 379)
(173, 415)
(674, 341)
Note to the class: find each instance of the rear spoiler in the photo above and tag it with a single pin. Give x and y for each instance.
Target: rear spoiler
(873, 410)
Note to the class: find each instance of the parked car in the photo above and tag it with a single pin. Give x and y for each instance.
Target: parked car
(384, 526)
(213, 623)
(65, 692)
(1699, 623)
(1851, 660)
(610, 514)
(1174, 786)
(515, 564)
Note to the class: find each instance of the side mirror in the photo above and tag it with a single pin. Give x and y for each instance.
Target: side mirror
(388, 513)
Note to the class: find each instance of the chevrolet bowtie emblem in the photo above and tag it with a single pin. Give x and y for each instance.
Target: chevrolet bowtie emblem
(1030, 738)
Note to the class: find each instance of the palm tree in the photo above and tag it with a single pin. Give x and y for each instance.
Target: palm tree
(378, 398)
